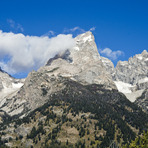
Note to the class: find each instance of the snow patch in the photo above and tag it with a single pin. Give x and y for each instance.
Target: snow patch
(143, 80)
(8, 91)
(134, 95)
(105, 60)
(76, 48)
(123, 87)
(140, 57)
(123, 63)
(88, 38)
(17, 85)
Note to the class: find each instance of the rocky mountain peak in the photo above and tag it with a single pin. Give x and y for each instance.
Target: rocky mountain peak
(131, 77)
(133, 70)
(144, 52)
(143, 56)
(85, 49)
(81, 63)
(87, 36)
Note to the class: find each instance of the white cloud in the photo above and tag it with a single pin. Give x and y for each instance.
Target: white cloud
(111, 54)
(78, 29)
(30, 52)
(17, 27)
(49, 33)
(92, 29)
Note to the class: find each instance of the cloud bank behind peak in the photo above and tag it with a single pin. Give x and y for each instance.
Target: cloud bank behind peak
(20, 53)
(113, 55)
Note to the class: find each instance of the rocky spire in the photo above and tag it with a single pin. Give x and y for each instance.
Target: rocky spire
(81, 63)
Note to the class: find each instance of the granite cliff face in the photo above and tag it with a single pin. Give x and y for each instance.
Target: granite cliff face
(82, 63)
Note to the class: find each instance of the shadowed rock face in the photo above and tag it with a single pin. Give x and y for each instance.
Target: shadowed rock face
(64, 55)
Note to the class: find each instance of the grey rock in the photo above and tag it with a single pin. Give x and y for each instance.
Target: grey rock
(108, 65)
(9, 86)
(133, 70)
(82, 63)
(142, 101)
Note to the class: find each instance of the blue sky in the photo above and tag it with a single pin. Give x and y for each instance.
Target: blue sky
(120, 25)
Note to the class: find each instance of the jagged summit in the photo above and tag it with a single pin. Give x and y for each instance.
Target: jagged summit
(131, 77)
(81, 63)
(85, 36)
(85, 49)
(144, 52)
(133, 70)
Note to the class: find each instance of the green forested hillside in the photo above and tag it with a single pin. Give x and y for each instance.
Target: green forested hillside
(78, 116)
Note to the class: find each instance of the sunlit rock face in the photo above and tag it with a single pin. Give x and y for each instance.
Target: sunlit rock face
(82, 63)
(133, 70)
(131, 77)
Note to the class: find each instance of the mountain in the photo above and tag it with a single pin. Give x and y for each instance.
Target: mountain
(133, 70)
(131, 77)
(72, 101)
(81, 63)
(77, 115)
